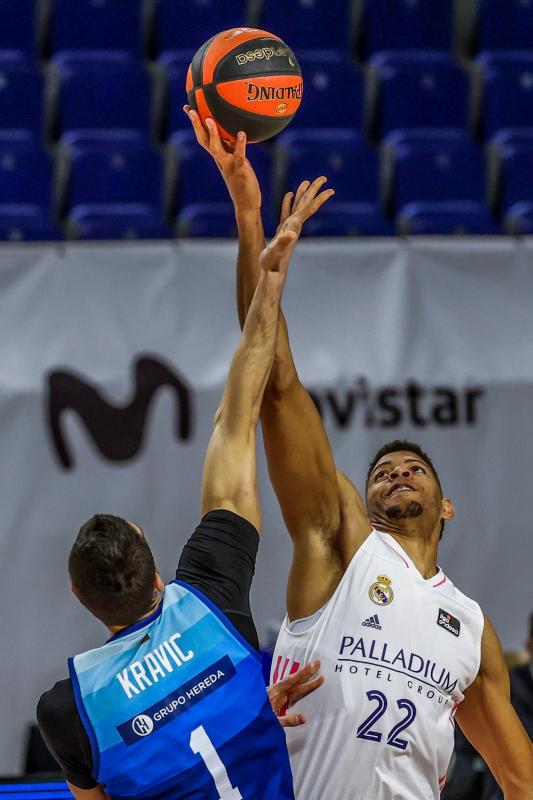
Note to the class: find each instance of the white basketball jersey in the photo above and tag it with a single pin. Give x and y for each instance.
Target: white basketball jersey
(397, 653)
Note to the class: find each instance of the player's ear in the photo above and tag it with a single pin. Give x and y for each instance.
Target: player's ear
(448, 509)
(74, 591)
(159, 586)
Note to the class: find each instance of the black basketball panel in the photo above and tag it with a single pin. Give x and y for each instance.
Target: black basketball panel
(191, 99)
(198, 61)
(258, 127)
(255, 58)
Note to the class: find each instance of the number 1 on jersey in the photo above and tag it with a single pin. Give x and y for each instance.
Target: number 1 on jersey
(201, 744)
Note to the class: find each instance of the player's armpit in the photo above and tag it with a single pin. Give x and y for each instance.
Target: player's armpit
(354, 525)
(491, 724)
(88, 794)
(322, 510)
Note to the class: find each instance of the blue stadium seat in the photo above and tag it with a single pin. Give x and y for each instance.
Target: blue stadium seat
(18, 26)
(187, 24)
(95, 138)
(437, 171)
(101, 91)
(505, 24)
(175, 66)
(338, 218)
(97, 25)
(196, 171)
(422, 135)
(519, 219)
(520, 136)
(333, 92)
(516, 174)
(407, 25)
(211, 220)
(24, 223)
(508, 93)
(418, 90)
(21, 97)
(114, 174)
(26, 190)
(349, 163)
(309, 24)
(443, 218)
(117, 221)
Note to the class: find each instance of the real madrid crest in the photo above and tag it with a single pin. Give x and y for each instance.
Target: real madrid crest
(381, 591)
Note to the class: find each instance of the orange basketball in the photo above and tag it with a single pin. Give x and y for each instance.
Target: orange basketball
(246, 80)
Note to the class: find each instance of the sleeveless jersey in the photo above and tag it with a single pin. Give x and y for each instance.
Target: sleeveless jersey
(397, 653)
(175, 707)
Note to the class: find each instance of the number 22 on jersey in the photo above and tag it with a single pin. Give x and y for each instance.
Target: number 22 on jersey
(364, 731)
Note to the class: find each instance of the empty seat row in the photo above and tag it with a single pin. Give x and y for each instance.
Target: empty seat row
(121, 186)
(402, 93)
(153, 27)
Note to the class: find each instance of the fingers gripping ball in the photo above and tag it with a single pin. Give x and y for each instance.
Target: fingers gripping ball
(245, 79)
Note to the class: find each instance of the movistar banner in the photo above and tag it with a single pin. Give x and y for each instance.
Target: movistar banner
(113, 359)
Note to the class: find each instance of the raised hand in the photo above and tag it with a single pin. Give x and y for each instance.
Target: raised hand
(287, 692)
(235, 168)
(297, 208)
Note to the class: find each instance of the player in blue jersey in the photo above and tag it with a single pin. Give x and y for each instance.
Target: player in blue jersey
(174, 705)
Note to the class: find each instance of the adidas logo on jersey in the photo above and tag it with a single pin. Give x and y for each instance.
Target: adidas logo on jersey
(372, 622)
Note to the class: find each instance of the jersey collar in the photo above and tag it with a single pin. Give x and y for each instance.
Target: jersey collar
(436, 580)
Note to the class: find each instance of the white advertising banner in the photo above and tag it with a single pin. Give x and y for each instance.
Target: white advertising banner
(112, 362)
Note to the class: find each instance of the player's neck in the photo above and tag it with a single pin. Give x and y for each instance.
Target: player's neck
(113, 629)
(420, 544)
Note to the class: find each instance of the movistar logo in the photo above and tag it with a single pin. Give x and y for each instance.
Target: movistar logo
(116, 430)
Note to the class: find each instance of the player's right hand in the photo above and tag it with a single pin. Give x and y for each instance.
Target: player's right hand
(288, 691)
(235, 168)
(297, 208)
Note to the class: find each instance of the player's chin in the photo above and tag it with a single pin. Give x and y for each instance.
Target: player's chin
(403, 507)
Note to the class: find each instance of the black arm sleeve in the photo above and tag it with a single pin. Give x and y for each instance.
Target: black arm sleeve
(219, 560)
(64, 734)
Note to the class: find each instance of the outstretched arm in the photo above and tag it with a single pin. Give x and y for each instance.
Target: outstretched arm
(229, 477)
(490, 723)
(314, 504)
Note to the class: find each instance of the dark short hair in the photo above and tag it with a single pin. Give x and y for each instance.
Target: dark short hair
(112, 569)
(411, 447)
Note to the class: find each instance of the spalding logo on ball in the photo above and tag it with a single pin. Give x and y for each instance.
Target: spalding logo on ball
(246, 80)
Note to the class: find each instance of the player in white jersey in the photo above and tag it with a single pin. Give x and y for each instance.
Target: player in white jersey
(404, 653)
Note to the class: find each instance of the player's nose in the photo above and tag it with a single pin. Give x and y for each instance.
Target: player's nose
(397, 472)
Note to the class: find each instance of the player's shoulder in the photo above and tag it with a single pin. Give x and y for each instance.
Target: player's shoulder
(56, 706)
(451, 591)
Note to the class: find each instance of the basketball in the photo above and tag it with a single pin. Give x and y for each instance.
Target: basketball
(245, 79)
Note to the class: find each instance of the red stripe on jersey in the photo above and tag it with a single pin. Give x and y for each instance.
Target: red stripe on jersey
(398, 554)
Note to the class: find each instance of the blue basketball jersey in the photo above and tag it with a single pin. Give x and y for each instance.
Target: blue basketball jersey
(175, 706)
